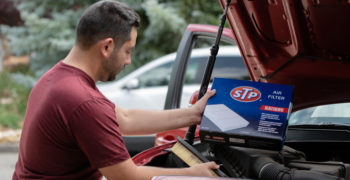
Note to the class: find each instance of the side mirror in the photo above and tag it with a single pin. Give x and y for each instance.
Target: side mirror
(132, 84)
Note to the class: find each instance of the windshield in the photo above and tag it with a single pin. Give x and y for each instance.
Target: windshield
(325, 114)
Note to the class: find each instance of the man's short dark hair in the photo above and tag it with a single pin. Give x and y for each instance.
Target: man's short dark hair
(104, 19)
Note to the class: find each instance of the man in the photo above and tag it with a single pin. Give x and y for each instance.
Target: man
(71, 131)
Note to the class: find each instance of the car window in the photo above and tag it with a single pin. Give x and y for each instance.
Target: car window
(158, 76)
(226, 66)
(325, 114)
(191, 71)
(230, 67)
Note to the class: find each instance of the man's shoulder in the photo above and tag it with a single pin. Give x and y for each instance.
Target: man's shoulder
(68, 88)
(80, 93)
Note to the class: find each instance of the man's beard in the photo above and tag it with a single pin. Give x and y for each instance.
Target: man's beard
(111, 77)
(109, 67)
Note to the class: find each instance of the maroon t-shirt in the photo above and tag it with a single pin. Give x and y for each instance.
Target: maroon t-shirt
(70, 129)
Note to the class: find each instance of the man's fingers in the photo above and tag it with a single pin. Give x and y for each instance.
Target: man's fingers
(212, 165)
(210, 93)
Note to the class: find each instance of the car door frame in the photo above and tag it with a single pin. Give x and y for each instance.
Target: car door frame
(187, 43)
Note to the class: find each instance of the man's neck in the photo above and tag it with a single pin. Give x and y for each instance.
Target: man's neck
(83, 60)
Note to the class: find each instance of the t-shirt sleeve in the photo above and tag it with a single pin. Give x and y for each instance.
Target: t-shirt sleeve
(96, 131)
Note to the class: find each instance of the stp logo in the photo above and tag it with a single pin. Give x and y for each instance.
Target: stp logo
(245, 94)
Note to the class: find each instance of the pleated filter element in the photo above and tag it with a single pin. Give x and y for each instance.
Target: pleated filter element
(224, 118)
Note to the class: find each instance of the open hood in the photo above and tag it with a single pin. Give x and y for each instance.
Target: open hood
(304, 43)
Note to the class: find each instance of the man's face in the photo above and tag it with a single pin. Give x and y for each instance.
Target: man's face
(119, 58)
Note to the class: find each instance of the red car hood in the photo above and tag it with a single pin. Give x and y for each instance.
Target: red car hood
(304, 43)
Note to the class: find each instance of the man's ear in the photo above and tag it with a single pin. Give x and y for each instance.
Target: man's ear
(106, 47)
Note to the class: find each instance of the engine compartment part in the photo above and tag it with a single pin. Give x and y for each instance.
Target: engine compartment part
(268, 169)
(250, 163)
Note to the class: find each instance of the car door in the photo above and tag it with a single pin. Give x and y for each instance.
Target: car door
(188, 64)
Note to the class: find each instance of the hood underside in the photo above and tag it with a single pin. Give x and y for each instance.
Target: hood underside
(304, 43)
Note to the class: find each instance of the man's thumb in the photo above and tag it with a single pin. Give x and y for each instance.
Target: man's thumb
(210, 93)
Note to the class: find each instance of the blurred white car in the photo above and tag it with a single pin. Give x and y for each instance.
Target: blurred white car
(146, 87)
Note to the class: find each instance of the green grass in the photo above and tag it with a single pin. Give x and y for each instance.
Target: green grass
(13, 101)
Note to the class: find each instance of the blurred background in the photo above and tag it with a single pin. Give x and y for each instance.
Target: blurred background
(36, 34)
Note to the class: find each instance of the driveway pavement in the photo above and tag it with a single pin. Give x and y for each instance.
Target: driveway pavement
(8, 159)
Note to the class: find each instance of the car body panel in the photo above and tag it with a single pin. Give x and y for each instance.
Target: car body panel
(146, 156)
(296, 42)
(170, 136)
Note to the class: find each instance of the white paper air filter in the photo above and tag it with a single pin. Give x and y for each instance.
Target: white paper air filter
(224, 118)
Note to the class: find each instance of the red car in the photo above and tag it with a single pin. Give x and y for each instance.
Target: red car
(303, 43)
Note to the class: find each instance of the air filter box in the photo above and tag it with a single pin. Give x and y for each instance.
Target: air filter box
(247, 113)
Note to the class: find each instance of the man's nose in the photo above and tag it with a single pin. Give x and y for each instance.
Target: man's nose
(128, 61)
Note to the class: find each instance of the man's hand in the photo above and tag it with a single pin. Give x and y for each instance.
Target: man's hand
(203, 169)
(199, 106)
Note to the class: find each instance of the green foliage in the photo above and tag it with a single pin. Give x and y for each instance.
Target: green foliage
(163, 23)
(198, 11)
(49, 30)
(48, 33)
(13, 101)
(160, 33)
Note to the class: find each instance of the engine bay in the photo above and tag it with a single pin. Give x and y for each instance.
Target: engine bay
(314, 162)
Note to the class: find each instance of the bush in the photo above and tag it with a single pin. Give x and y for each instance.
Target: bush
(13, 101)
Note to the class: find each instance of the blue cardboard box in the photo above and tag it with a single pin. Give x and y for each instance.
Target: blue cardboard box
(247, 113)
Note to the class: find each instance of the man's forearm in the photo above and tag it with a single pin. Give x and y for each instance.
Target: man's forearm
(147, 172)
(135, 122)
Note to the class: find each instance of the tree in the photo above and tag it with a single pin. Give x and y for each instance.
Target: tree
(48, 32)
(10, 16)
